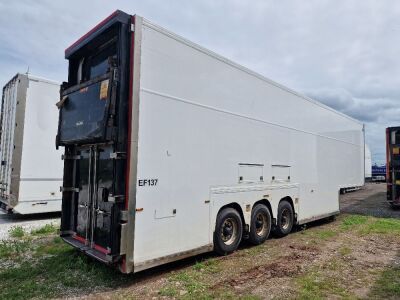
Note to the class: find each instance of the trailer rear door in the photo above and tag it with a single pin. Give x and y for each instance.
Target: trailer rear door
(93, 128)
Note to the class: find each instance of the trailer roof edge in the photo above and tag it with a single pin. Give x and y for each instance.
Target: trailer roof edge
(116, 16)
(42, 79)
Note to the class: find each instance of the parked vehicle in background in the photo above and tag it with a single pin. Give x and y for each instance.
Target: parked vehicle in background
(172, 150)
(367, 172)
(30, 171)
(379, 173)
(393, 165)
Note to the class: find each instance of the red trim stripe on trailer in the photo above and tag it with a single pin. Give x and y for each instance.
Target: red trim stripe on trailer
(92, 30)
(79, 238)
(101, 249)
(97, 247)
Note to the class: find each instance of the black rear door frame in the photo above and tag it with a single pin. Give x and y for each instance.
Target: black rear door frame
(118, 140)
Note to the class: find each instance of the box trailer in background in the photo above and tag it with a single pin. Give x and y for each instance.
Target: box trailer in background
(367, 172)
(379, 173)
(30, 171)
(393, 165)
(172, 150)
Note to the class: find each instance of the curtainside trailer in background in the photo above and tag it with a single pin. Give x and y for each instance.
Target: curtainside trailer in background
(172, 150)
(30, 170)
(393, 165)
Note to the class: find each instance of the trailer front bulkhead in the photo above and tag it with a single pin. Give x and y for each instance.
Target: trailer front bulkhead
(172, 150)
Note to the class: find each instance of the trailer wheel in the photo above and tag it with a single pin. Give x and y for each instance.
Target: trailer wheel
(260, 226)
(228, 231)
(284, 220)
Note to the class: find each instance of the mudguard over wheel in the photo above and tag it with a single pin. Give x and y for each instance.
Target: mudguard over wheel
(228, 231)
(260, 226)
(284, 219)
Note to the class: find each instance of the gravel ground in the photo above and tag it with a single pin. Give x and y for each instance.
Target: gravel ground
(370, 200)
(28, 222)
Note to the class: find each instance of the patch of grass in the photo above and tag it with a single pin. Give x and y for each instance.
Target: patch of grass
(187, 284)
(53, 275)
(382, 226)
(207, 266)
(12, 249)
(16, 232)
(319, 234)
(255, 250)
(168, 291)
(56, 247)
(388, 285)
(353, 221)
(190, 281)
(45, 230)
(334, 264)
(199, 266)
(325, 234)
(315, 286)
(344, 251)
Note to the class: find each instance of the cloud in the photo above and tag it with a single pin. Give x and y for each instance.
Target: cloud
(343, 53)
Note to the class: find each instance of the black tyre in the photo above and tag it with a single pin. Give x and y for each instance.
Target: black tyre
(260, 226)
(228, 231)
(284, 219)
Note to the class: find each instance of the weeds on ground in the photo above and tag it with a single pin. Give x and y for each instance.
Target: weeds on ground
(62, 269)
(16, 232)
(370, 225)
(187, 284)
(207, 266)
(388, 285)
(382, 226)
(352, 221)
(47, 267)
(319, 234)
(45, 230)
(13, 249)
(344, 251)
(315, 285)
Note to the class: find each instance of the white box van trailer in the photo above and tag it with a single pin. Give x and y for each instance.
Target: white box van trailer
(30, 171)
(350, 187)
(172, 150)
(368, 163)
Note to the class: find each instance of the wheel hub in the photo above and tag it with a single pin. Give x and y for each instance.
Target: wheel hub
(261, 224)
(229, 231)
(285, 219)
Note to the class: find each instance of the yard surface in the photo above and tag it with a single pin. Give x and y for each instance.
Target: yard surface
(355, 256)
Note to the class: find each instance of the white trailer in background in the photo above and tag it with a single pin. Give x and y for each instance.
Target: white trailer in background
(30, 171)
(172, 150)
(368, 163)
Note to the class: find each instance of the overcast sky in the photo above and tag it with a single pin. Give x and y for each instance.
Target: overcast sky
(342, 53)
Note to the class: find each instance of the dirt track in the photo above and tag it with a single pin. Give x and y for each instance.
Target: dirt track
(370, 201)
